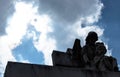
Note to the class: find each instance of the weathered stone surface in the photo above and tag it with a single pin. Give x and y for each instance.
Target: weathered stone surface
(72, 57)
(61, 59)
(14, 69)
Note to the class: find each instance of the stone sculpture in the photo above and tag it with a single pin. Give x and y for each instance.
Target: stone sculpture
(90, 56)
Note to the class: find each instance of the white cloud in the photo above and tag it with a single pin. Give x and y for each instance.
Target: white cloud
(59, 23)
(82, 32)
(16, 29)
(68, 16)
(25, 15)
(44, 44)
(67, 20)
(70, 11)
(42, 23)
(109, 51)
(5, 53)
(18, 23)
(6, 8)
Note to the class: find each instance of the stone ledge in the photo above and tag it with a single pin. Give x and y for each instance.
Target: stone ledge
(15, 69)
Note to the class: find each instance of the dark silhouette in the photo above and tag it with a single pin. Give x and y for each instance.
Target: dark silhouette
(102, 62)
(99, 54)
(90, 56)
(75, 54)
(89, 50)
(72, 57)
(91, 38)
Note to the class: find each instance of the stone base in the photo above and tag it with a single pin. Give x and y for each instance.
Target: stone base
(15, 69)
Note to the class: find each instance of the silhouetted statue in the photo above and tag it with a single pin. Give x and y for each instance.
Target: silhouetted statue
(75, 54)
(90, 56)
(107, 63)
(71, 58)
(94, 55)
(99, 54)
(102, 62)
(89, 50)
(76, 50)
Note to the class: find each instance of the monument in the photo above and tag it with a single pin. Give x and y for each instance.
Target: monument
(87, 61)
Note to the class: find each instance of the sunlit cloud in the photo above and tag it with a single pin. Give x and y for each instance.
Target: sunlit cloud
(44, 43)
(58, 26)
(15, 30)
(25, 15)
(18, 23)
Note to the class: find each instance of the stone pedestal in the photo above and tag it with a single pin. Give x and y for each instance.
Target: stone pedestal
(15, 69)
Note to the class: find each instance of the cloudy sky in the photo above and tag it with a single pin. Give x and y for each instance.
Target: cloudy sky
(31, 29)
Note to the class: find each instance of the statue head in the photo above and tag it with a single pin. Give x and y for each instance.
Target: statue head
(91, 38)
(100, 49)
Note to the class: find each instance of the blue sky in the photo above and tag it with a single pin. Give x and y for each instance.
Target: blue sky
(31, 29)
(110, 20)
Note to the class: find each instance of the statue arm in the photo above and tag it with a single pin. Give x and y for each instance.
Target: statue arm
(84, 54)
(85, 58)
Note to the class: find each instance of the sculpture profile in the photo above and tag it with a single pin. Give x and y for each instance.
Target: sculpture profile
(90, 56)
(88, 51)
